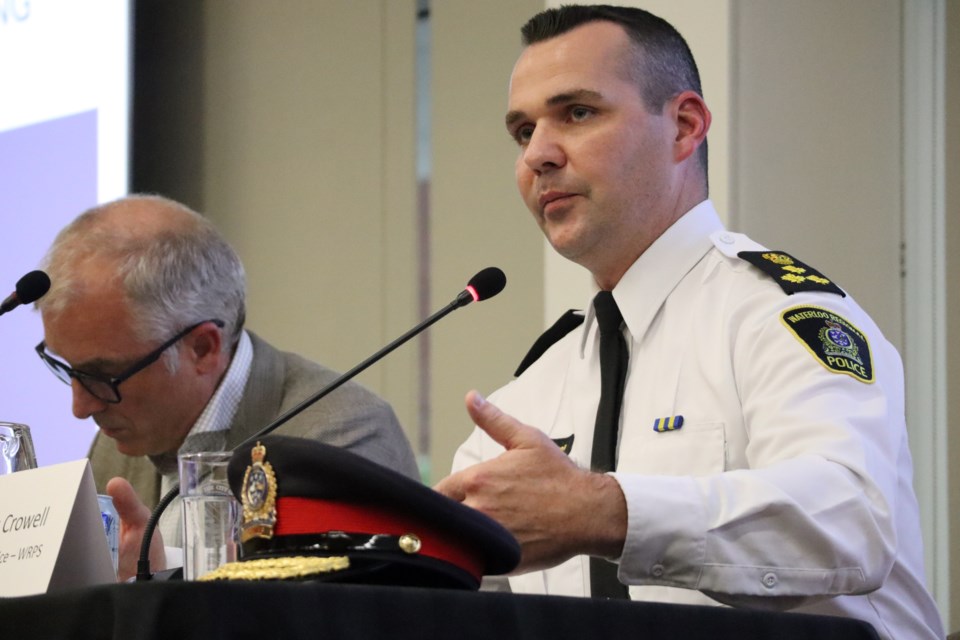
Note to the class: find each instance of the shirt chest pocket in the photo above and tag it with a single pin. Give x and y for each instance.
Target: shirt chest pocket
(696, 449)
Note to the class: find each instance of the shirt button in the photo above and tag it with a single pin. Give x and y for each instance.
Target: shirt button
(770, 580)
(657, 570)
(726, 238)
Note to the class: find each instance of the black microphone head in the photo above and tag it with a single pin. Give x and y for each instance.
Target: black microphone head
(487, 283)
(32, 286)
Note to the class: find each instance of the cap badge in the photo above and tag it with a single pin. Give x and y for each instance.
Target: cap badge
(259, 497)
(778, 258)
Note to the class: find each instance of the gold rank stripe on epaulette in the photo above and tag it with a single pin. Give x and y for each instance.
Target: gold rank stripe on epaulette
(832, 339)
(671, 423)
(791, 274)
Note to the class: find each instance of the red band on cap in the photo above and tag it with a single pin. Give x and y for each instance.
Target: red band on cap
(304, 516)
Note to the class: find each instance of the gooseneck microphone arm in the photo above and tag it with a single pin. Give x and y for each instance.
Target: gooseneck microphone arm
(143, 562)
(470, 294)
(484, 285)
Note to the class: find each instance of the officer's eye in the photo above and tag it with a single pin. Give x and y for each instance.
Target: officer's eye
(578, 114)
(523, 134)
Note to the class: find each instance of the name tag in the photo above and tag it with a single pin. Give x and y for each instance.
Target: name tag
(51, 532)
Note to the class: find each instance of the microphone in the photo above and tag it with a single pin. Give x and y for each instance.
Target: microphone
(30, 288)
(482, 286)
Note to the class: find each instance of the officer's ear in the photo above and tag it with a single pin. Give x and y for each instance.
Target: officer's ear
(692, 118)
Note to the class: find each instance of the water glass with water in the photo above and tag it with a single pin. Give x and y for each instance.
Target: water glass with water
(211, 515)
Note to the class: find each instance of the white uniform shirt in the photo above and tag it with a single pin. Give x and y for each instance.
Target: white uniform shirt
(788, 483)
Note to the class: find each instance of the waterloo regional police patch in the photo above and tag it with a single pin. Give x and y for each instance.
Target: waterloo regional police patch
(834, 342)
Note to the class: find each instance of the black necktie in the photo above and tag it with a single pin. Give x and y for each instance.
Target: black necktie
(613, 373)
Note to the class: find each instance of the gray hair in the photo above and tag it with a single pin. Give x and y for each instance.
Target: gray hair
(171, 264)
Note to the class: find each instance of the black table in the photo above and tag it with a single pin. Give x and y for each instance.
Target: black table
(164, 610)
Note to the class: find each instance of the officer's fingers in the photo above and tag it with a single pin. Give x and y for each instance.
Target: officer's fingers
(509, 432)
(452, 487)
(129, 507)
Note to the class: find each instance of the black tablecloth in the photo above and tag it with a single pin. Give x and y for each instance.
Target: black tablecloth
(148, 611)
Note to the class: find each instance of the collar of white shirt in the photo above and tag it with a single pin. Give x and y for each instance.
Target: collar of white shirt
(650, 279)
(225, 401)
(223, 404)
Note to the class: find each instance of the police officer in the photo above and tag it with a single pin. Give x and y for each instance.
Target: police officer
(759, 451)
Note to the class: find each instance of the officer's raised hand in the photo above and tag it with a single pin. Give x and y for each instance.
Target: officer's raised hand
(555, 509)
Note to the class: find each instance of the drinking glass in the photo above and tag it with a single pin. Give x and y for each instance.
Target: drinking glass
(211, 515)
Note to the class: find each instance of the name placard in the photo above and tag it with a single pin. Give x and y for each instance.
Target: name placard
(51, 532)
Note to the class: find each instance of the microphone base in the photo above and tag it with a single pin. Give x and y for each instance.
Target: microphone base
(166, 575)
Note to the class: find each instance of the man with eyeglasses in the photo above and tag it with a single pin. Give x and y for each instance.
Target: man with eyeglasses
(145, 320)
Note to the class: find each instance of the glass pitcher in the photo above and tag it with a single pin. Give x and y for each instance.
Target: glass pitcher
(16, 448)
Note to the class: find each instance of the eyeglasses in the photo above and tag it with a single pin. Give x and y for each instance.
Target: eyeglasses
(106, 388)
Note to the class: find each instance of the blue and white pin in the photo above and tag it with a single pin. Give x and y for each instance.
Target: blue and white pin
(671, 423)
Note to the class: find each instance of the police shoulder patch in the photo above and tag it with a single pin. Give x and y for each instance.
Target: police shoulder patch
(832, 339)
(788, 272)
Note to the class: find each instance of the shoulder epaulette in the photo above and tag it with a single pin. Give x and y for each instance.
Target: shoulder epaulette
(788, 272)
(791, 274)
(567, 323)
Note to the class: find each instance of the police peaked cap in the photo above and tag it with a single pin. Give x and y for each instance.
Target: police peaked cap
(364, 522)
